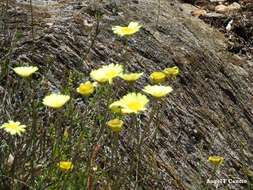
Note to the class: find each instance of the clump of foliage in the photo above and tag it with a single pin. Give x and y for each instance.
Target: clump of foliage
(83, 134)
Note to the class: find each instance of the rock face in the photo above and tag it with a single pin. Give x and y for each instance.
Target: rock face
(210, 111)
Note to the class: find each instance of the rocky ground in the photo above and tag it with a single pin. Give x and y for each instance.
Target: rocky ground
(232, 17)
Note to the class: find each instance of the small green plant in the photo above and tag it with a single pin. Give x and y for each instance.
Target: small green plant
(73, 135)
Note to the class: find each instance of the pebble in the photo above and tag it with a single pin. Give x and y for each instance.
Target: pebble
(234, 6)
(198, 13)
(221, 9)
(216, 1)
(229, 25)
(214, 15)
(224, 9)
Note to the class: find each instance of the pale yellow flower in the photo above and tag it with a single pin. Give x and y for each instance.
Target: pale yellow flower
(132, 103)
(131, 77)
(115, 108)
(157, 77)
(107, 73)
(171, 71)
(25, 71)
(86, 88)
(65, 165)
(13, 127)
(215, 160)
(157, 91)
(115, 125)
(132, 28)
(95, 84)
(55, 100)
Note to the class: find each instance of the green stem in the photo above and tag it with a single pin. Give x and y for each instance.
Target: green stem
(124, 50)
(151, 117)
(213, 173)
(98, 19)
(158, 119)
(34, 129)
(138, 142)
(114, 157)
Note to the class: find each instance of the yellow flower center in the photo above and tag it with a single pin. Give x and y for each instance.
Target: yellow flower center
(84, 87)
(111, 73)
(134, 105)
(64, 165)
(13, 126)
(127, 30)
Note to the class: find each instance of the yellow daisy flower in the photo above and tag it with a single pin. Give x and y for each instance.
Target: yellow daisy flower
(55, 100)
(13, 127)
(25, 71)
(132, 28)
(157, 77)
(86, 88)
(157, 91)
(106, 73)
(115, 125)
(65, 165)
(95, 84)
(115, 108)
(171, 71)
(132, 103)
(131, 77)
(215, 160)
